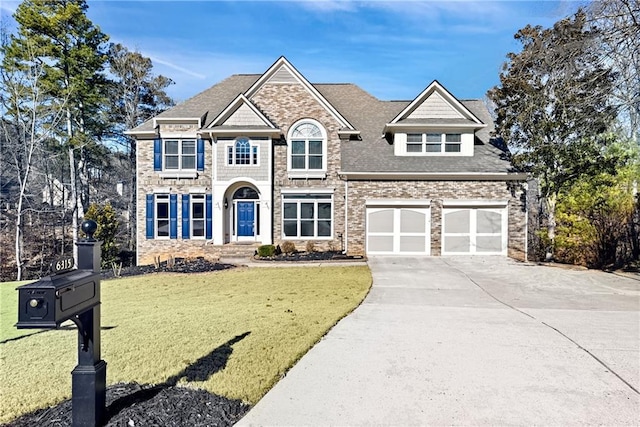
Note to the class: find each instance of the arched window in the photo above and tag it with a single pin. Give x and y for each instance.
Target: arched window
(242, 152)
(307, 149)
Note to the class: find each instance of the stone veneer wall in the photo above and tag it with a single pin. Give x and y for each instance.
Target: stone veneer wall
(148, 180)
(437, 191)
(284, 105)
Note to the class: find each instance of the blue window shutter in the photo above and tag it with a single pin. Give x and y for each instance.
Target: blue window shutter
(209, 217)
(200, 152)
(185, 217)
(173, 216)
(150, 206)
(157, 154)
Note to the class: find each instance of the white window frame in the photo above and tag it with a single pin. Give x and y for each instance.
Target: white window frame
(314, 198)
(426, 140)
(157, 200)
(180, 154)
(306, 172)
(199, 198)
(232, 154)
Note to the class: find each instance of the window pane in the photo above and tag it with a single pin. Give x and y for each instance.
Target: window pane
(171, 147)
(188, 147)
(414, 148)
(414, 137)
(255, 155)
(324, 228)
(197, 228)
(315, 147)
(188, 162)
(433, 148)
(162, 210)
(306, 228)
(297, 162)
(434, 137)
(297, 147)
(291, 210)
(324, 210)
(197, 211)
(230, 155)
(163, 228)
(306, 210)
(290, 228)
(171, 162)
(452, 148)
(453, 137)
(307, 130)
(315, 162)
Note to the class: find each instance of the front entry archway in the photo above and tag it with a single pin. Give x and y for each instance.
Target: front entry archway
(246, 214)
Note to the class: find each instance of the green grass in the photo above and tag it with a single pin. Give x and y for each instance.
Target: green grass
(244, 328)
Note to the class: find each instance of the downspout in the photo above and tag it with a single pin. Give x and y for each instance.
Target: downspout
(346, 211)
(214, 178)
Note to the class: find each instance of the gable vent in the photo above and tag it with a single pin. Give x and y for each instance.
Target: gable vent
(283, 76)
(435, 107)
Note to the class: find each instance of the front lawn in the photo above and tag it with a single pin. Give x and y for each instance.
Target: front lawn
(233, 333)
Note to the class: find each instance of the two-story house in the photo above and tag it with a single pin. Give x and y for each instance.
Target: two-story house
(270, 158)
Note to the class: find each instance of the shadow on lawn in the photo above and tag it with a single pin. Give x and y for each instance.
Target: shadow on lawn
(200, 370)
(61, 328)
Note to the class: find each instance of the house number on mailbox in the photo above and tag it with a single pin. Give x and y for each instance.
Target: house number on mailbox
(63, 264)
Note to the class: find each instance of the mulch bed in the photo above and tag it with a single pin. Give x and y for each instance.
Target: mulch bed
(310, 256)
(132, 405)
(180, 265)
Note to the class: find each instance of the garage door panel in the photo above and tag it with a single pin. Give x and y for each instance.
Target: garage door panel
(381, 243)
(488, 221)
(457, 221)
(381, 221)
(412, 221)
(489, 243)
(474, 230)
(398, 230)
(412, 244)
(460, 244)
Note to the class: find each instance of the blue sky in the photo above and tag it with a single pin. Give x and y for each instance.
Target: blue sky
(391, 49)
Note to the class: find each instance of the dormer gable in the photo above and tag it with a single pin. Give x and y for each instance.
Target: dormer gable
(435, 123)
(282, 72)
(241, 116)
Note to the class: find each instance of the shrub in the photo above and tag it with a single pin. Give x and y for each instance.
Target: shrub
(311, 246)
(266, 251)
(288, 247)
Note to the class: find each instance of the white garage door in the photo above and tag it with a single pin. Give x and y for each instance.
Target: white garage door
(398, 230)
(468, 230)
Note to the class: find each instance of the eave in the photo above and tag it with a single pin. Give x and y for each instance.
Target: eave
(395, 127)
(437, 176)
(271, 132)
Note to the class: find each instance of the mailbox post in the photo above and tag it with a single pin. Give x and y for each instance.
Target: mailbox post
(74, 295)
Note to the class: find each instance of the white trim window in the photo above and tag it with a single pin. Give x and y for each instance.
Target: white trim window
(434, 142)
(242, 153)
(179, 154)
(307, 150)
(162, 216)
(307, 216)
(198, 216)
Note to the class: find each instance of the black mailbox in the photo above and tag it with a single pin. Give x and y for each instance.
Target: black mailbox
(53, 299)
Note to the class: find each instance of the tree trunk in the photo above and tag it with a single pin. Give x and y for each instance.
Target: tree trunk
(550, 202)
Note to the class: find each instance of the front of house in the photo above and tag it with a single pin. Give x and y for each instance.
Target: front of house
(262, 159)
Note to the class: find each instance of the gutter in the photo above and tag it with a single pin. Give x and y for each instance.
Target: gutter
(436, 176)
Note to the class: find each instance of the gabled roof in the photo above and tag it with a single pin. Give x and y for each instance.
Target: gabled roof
(208, 103)
(241, 112)
(435, 106)
(282, 72)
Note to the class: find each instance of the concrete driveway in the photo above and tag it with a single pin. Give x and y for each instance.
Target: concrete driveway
(472, 341)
